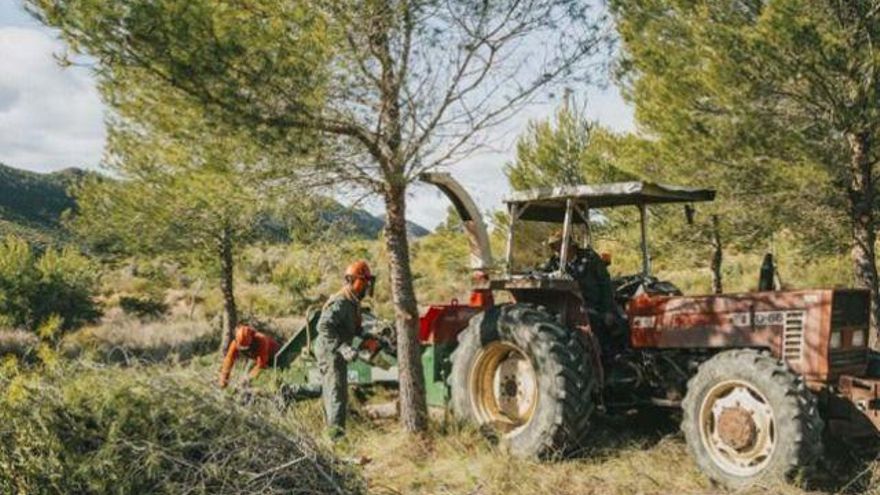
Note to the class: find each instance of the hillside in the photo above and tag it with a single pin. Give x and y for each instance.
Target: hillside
(32, 206)
(412, 228)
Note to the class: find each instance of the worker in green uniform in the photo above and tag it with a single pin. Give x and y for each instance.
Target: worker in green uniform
(339, 323)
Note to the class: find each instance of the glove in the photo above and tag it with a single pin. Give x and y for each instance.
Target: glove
(371, 345)
(348, 353)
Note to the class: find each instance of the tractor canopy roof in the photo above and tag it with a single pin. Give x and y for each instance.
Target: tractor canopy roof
(548, 204)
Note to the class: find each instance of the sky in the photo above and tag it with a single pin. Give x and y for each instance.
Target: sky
(53, 118)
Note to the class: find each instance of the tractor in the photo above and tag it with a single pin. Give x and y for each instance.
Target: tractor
(758, 376)
(539, 347)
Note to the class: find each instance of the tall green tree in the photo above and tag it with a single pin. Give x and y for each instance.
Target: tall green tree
(196, 217)
(565, 150)
(395, 87)
(180, 186)
(570, 149)
(767, 93)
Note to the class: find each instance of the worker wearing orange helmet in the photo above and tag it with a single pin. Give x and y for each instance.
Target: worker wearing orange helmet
(252, 344)
(339, 323)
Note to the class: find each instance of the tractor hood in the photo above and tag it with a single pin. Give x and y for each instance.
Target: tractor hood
(474, 227)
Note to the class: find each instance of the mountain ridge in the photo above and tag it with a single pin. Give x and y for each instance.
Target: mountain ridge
(33, 204)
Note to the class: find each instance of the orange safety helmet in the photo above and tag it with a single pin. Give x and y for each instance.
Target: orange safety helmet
(360, 277)
(244, 337)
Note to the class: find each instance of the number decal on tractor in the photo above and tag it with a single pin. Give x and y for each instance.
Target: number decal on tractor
(761, 319)
(643, 321)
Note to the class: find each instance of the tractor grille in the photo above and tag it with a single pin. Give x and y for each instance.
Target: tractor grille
(793, 336)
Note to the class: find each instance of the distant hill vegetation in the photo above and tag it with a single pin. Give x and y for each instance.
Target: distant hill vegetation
(32, 206)
(413, 229)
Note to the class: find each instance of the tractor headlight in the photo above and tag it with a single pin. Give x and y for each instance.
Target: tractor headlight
(835, 340)
(858, 338)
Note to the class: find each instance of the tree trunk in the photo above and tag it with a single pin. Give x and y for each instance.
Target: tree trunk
(861, 203)
(717, 284)
(413, 408)
(227, 286)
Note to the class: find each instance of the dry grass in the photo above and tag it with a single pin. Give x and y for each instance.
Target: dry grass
(121, 338)
(18, 343)
(628, 455)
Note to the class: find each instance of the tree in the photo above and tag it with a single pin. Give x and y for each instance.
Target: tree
(182, 216)
(569, 150)
(394, 87)
(180, 188)
(768, 89)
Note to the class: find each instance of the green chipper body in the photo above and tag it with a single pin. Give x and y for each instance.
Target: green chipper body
(376, 364)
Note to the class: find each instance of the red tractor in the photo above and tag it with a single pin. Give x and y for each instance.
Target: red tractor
(758, 375)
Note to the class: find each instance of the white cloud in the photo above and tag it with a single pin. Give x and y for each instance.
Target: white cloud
(50, 117)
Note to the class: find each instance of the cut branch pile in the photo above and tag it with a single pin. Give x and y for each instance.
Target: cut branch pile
(80, 430)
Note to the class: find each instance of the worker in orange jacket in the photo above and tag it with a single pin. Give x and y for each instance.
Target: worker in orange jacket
(253, 344)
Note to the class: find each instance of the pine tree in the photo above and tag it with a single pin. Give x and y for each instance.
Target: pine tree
(775, 99)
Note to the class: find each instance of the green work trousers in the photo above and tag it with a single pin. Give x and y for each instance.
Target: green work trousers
(334, 391)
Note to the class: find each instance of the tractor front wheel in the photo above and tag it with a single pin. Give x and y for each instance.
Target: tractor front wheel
(525, 380)
(748, 417)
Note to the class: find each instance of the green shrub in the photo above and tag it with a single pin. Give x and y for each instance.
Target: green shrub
(297, 274)
(18, 282)
(68, 281)
(35, 288)
(146, 431)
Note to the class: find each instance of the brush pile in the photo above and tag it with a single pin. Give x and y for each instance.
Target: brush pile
(136, 430)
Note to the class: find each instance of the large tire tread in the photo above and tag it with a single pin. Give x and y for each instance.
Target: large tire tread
(573, 390)
(799, 425)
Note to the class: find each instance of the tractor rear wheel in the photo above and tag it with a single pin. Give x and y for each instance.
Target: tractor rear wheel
(525, 380)
(747, 417)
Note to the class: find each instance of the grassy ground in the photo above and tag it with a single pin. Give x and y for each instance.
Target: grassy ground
(632, 454)
(18, 343)
(639, 453)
